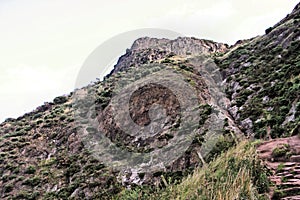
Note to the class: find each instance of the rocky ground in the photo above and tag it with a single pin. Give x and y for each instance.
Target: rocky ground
(282, 158)
(42, 155)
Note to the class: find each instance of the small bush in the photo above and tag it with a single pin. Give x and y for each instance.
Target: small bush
(30, 170)
(60, 100)
(280, 167)
(32, 181)
(8, 188)
(280, 151)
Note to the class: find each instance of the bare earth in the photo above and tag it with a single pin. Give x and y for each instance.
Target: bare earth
(285, 169)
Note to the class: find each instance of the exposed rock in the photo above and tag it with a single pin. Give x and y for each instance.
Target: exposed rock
(43, 155)
(247, 124)
(146, 50)
(286, 173)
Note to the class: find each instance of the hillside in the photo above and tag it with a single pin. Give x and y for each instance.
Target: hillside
(224, 97)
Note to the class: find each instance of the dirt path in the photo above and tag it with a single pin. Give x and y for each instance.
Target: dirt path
(282, 157)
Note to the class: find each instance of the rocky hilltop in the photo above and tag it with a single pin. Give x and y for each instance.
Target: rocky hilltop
(147, 49)
(44, 154)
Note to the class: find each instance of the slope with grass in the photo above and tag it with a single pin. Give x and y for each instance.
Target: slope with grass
(43, 156)
(236, 174)
(263, 80)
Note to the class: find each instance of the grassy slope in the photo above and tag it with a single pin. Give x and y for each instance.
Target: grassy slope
(235, 174)
(263, 80)
(40, 151)
(266, 70)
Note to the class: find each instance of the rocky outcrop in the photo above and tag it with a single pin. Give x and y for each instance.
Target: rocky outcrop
(146, 50)
(43, 155)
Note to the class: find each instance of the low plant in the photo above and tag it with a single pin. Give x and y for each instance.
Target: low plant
(281, 151)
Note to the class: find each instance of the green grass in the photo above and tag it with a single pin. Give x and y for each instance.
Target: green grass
(235, 174)
(281, 151)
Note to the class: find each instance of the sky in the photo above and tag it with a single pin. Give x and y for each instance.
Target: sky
(44, 43)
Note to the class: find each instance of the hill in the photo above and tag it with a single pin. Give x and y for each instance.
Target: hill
(84, 146)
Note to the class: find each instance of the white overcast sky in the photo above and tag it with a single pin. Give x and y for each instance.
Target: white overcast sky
(43, 43)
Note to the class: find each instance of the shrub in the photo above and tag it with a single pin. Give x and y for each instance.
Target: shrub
(38, 115)
(60, 100)
(63, 117)
(34, 181)
(280, 151)
(30, 170)
(7, 188)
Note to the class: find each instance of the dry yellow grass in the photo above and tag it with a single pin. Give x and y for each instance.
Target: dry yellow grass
(222, 179)
(230, 176)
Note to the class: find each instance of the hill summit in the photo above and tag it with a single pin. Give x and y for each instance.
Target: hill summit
(217, 102)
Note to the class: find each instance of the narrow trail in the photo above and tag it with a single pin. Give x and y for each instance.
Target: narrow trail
(282, 157)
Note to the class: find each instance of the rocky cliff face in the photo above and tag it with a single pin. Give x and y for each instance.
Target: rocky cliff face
(146, 50)
(44, 150)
